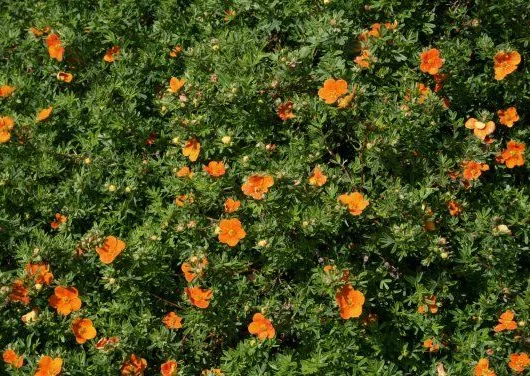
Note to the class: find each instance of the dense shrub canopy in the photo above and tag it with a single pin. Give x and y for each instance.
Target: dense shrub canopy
(304, 187)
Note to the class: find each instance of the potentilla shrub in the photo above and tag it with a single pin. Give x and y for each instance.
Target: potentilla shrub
(304, 187)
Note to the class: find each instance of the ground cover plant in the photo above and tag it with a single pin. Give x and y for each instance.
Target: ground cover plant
(302, 187)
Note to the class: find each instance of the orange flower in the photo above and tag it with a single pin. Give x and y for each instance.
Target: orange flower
(44, 114)
(175, 51)
(350, 302)
(19, 292)
(64, 76)
(429, 344)
(506, 322)
(454, 208)
(355, 202)
(6, 124)
(31, 316)
(172, 321)
(55, 48)
(424, 92)
(110, 249)
(11, 357)
(480, 129)
(231, 231)
(332, 90)
(439, 79)
(483, 368)
(133, 367)
(318, 178)
(194, 268)
(215, 169)
(65, 300)
(106, 343)
(232, 205)
(285, 111)
(513, 155)
(59, 220)
(83, 330)
(49, 366)
(185, 172)
(191, 149)
(473, 170)
(346, 100)
(505, 63)
(6, 91)
(261, 327)
(431, 61)
(364, 59)
(508, 117)
(169, 368)
(181, 200)
(257, 185)
(37, 32)
(212, 372)
(199, 297)
(518, 362)
(430, 301)
(111, 54)
(175, 84)
(40, 273)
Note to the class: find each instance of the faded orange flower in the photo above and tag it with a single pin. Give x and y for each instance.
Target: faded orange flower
(483, 368)
(64, 76)
(261, 327)
(518, 362)
(65, 300)
(172, 321)
(83, 330)
(44, 114)
(231, 205)
(6, 124)
(175, 51)
(257, 185)
(110, 249)
(185, 172)
(215, 169)
(231, 231)
(350, 302)
(31, 316)
(505, 63)
(55, 48)
(49, 366)
(424, 92)
(285, 111)
(454, 208)
(134, 366)
(191, 149)
(19, 292)
(513, 155)
(431, 61)
(355, 202)
(181, 200)
(194, 268)
(318, 178)
(169, 368)
(508, 117)
(480, 129)
(59, 220)
(364, 59)
(40, 273)
(11, 357)
(332, 90)
(175, 84)
(111, 54)
(199, 297)
(506, 322)
(6, 91)
(105, 344)
(431, 345)
(473, 169)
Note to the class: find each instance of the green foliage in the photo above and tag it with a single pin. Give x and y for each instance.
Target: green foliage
(107, 159)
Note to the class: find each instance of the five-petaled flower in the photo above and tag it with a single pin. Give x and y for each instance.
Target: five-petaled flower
(431, 61)
(285, 111)
(518, 362)
(508, 117)
(175, 85)
(483, 368)
(231, 231)
(199, 297)
(431, 345)
(480, 129)
(12, 358)
(261, 327)
(473, 169)
(65, 300)
(191, 149)
(194, 268)
(169, 368)
(110, 249)
(83, 330)
(215, 169)
(49, 366)
(111, 54)
(332, 90)
(350, 302)
(318, 178)
(134, 366)
(505, 63)
(513, 155)
(506, 322)
(6, 124)
(355, 202)
(231, 205)
(257, 185)
(172, 321)
(55, 47)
